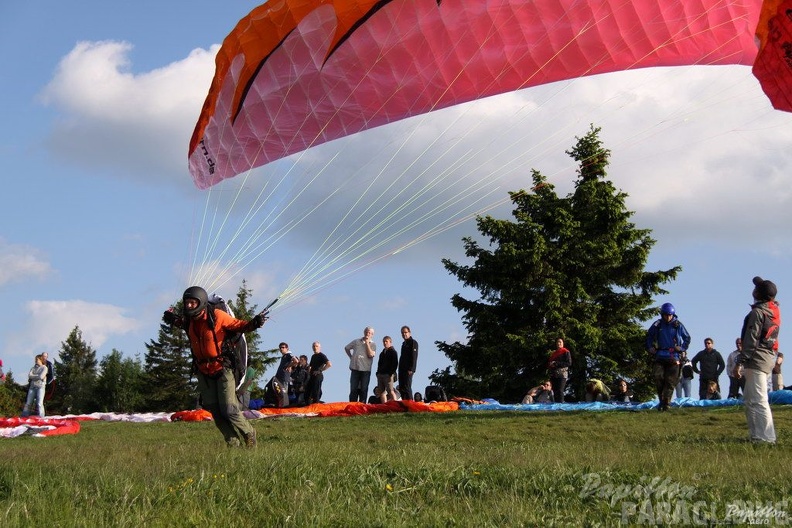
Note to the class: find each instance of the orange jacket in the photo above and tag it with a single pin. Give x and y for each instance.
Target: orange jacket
(205, 349)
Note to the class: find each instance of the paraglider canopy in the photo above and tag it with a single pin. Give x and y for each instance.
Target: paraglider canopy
(298, 73)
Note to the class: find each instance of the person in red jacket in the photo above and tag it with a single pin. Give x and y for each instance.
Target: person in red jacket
(558, 368)
(760, 343)
(206, 329)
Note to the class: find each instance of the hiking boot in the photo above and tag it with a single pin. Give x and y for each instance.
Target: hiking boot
(250, 439)
(233, 442)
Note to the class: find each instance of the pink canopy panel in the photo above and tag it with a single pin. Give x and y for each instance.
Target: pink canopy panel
(298, 73)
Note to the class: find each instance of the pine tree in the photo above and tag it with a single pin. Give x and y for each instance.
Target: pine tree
(570, 267)
(120, 384)
(12, 396)
(168, 367)
(258, 359)
(76, 377)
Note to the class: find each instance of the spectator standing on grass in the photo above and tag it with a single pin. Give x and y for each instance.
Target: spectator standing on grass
(408, 362)
(243, 392)
(361, 352)
(736, 383)
(37, 378)
(386, 371)
(49, 388)
(667, 340)
(778, 379)
(558, 369)
(685, 377)
(299, 380)
(708, 364)
(288, 363)
(316, 367)
(760, 343)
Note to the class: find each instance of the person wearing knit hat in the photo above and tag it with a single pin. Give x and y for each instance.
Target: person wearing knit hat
(759, 347)
(764, 290)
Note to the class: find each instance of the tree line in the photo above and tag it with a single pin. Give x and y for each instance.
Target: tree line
(161, 381)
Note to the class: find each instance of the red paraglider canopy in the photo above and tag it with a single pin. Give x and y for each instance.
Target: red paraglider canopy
(298, 73)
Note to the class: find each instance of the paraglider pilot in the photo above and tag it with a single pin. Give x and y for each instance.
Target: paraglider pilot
(667, 340)
(206, 329)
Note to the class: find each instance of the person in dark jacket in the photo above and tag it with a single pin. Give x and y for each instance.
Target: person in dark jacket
(760, 342)
(666, 341)
(299, 380)
(708, 364)
(316, 367)
(713, 393)
(408, 362)
(685, 377)
(735, 384)
(622, 393)
(49, 389)
(386, 371)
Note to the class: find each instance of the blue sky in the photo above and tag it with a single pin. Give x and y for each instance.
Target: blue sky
(102, 226)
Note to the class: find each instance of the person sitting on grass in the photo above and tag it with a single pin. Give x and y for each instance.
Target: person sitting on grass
(377, 396)
(712, 391)
(542, 393)
(597, 391)
(622, 394)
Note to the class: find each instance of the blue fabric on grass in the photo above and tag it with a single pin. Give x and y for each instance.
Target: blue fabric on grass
(782, 397)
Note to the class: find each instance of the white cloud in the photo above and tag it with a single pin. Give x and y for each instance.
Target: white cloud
(19, 262)
(50, 322)
(138, 124)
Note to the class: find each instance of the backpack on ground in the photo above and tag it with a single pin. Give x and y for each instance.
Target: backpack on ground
(272, 392)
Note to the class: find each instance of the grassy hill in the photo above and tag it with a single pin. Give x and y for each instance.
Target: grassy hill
(464, 468)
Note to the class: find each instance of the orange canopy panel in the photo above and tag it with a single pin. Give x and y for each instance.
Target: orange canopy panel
(357, 408)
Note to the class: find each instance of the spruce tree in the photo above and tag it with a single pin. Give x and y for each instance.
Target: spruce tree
(258, 359)
(569, 267)
(120, 385)
(12, 396)
(76, 377)
(170, 385)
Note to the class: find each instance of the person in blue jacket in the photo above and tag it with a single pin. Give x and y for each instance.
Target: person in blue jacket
(666, 340)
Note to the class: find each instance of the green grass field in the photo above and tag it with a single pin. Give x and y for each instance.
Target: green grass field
(478, 469)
